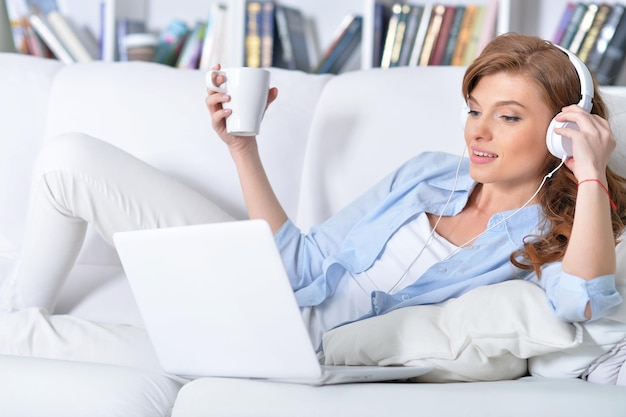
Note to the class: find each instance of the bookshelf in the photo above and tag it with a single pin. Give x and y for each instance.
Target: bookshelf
(325, 17)
(535, 17)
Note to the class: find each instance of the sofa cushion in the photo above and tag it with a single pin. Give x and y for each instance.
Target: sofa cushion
(56, 388)
(369, 122)
(541, 397)
(25, 83)
(486, 334)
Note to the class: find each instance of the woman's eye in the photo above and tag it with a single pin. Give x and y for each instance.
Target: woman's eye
(510, 118)
(473, 112)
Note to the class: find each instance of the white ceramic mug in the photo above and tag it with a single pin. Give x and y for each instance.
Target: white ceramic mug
(248, 89)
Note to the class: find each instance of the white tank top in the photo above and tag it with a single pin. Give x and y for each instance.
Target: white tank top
(352, 298)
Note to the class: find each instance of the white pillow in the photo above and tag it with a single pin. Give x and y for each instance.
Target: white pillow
(484, 335)
(599, 336)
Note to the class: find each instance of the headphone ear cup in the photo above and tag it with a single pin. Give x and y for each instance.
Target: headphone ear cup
(558, 145)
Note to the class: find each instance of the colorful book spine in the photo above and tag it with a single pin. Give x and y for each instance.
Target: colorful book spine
(170, 43)
(465, 34)
(421, 35)
(69, 37)
(613, 58)
(190, 53)
(400, 35)
(267, 33)
(472, 48)
(43, 29)
(583, 28)
(594, 31)
(431, 35)
(439, 49)
(381, 20)
(344, 49)
(606, 34)
(253, 35)
(345, 24)
(453, 37)
(574, 23)
(412, 26)
(390, 39)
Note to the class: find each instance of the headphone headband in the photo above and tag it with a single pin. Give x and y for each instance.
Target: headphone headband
(586, 81)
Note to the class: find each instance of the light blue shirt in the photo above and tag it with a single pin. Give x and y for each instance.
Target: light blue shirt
(350, 241)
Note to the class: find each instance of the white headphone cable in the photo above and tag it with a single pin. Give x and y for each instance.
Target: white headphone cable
(545, 178)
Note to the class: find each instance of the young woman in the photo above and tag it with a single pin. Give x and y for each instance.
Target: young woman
(434, 229)
(437, 227)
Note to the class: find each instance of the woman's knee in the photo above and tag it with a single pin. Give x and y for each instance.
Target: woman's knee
(64, 151)
(73, 151)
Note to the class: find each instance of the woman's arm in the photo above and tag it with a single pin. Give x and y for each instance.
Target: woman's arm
(260, 199)
(591, 249)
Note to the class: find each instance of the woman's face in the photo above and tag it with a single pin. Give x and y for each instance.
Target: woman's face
(505, 131)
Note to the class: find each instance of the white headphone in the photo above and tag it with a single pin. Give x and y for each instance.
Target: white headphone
(558, 145)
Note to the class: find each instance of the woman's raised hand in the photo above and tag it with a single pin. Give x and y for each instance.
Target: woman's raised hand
(219, 114)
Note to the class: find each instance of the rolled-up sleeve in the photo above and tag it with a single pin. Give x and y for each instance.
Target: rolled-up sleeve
(569, 294)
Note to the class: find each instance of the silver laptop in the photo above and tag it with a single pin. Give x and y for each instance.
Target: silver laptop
(216, 301)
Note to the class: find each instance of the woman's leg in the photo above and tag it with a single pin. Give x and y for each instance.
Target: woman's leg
(79, 180)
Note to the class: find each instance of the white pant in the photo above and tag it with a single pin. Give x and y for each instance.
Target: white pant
(79, 180)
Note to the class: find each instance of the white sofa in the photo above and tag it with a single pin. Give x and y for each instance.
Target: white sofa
(325, 140)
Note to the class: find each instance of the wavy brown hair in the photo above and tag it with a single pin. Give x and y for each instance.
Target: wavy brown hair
(552, 71)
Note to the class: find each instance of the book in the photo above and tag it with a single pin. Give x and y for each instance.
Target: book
(170, 43)
(583, 28)
(563, 22)
(472, 48)
(605, 36)
(215, 37)
(18, 32)
(465, 34)
(573, 24)
(253, 24)
(190, 53)
(336, 38)
(398, 40)
(343, 48)
(69, 36)
(291, 46)
(420, 36)
(431, 34)
(453, 36)
(45, 32)
(390, 38)
(612, 60)
(439, 48)
(34, 44)
(594, 31)
(381, 20)
(412, 27)
(267, 33)
(25, 39)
